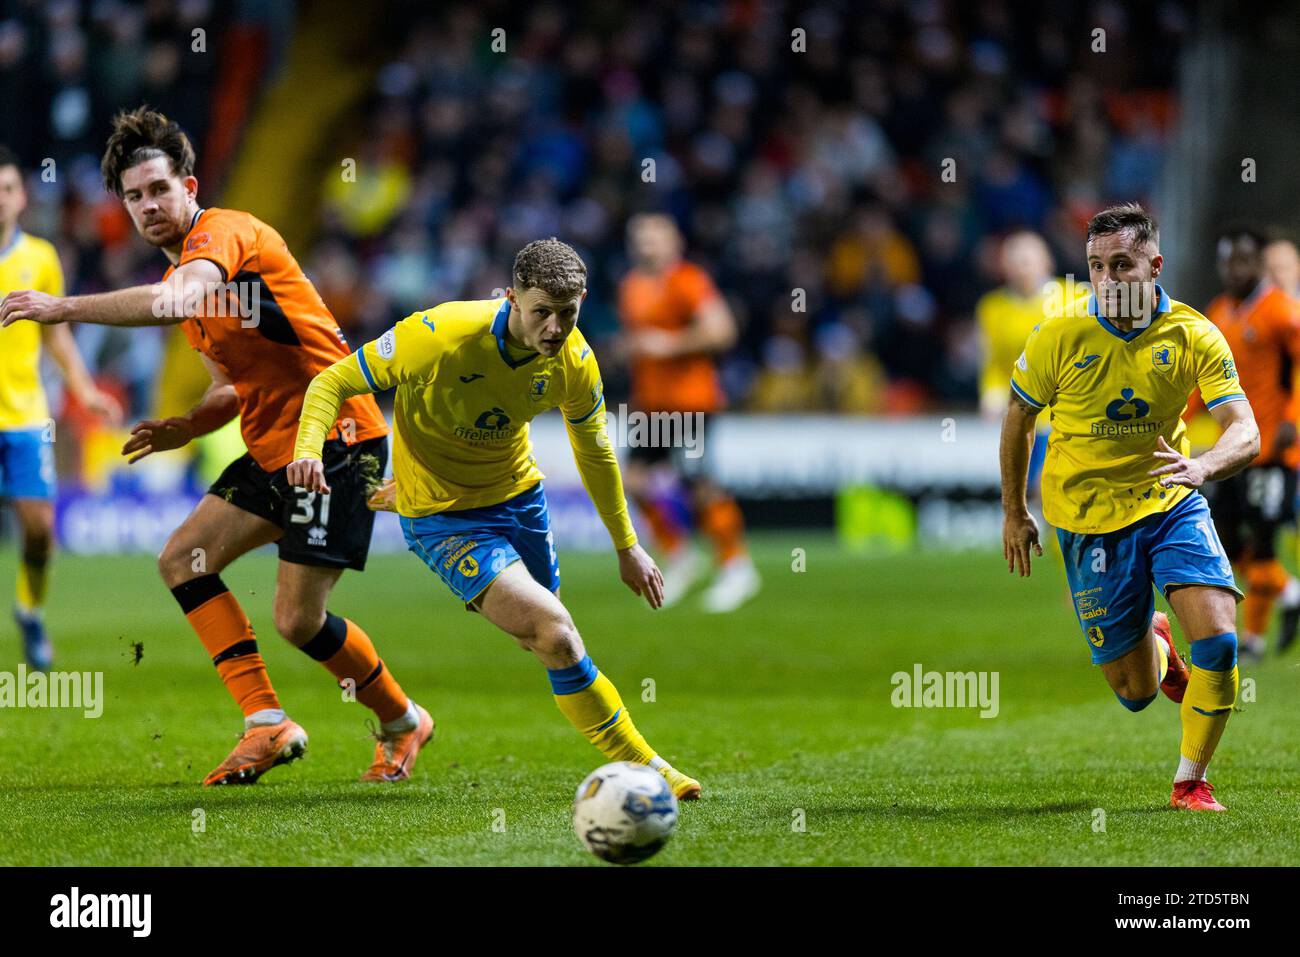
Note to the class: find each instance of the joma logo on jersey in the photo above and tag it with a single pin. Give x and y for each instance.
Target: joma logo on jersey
(1162, 357)
(1127, 406)
(539, 384)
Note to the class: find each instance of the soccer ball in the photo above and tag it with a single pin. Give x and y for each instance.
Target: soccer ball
(624, 813)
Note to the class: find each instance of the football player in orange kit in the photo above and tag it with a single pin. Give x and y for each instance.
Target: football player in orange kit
(676, 323)
(1262, 328)
(263, 333)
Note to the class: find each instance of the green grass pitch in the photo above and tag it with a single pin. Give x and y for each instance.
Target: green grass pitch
(782, 710)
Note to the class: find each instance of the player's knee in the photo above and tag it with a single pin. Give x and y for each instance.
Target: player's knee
(296, 625)
(556, 637)
(175, 564)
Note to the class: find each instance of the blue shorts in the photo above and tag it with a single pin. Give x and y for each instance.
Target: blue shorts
(1111, 574)
(26, 464)
(471, 547)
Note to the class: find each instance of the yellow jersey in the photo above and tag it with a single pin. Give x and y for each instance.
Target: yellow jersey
(1004, 319)
(462, 409)
(1111, 394)
(28, 263)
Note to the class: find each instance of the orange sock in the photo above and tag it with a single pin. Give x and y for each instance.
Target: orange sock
(349, 654)
(1264, 582)
(228, 637)
(722, 521)
(667, 534)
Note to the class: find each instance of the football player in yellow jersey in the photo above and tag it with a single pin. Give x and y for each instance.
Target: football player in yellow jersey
(469, 377)
(1121, 489)
(26, 432)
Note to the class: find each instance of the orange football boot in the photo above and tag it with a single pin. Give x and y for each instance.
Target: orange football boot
(1194, 796)
(395, 753)
(259, 749)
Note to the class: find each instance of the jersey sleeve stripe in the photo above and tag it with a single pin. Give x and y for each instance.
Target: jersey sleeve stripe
(1026, 396)
(365, 369)
(1230, 397)
(594, 409)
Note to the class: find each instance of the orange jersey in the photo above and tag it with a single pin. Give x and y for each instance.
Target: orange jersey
(669, 301)
(270, 334)
(1263, 332)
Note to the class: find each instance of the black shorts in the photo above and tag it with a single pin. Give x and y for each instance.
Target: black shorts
(331, 530)
(1251, 507)
(681, 442)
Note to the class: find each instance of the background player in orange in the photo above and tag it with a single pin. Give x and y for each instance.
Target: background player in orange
(676, 322)
(1260, 323)
(263, 333)
(1282, 267)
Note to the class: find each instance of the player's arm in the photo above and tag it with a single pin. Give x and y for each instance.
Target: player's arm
(179, 297)
(218, 406)
(1237, 447)
(584, 417)
(1289, 342)
(1019, 530)
(63, 350)
(1238, 444)
(406, 351)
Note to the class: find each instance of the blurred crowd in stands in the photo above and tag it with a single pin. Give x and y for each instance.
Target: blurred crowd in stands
(844, 170)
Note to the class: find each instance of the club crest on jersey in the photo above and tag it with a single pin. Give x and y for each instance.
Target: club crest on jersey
(1162, 357)
(197, 241)
(538, 385)
(1096, 636)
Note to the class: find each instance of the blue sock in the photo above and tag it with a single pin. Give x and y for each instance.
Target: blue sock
(574, 678)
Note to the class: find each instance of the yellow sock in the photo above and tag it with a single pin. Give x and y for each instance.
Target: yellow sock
(1211, 693)
(592, 704)
(31, 586)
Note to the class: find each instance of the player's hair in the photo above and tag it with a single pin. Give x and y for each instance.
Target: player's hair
(138, 136)
(551, 266)
(1126, 217)
(1236, 231)
(9, 158)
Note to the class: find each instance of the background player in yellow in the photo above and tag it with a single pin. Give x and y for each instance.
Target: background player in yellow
(1121, 489)
(26, 429)
(1005, 317)
(469, 377)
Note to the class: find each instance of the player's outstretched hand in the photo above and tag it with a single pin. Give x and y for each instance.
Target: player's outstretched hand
(1180, 469)
(640, 573)
(100, 403)
(308, 474)
(29, 304)
(1019, 538)
(156, 435)
(384, 498)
